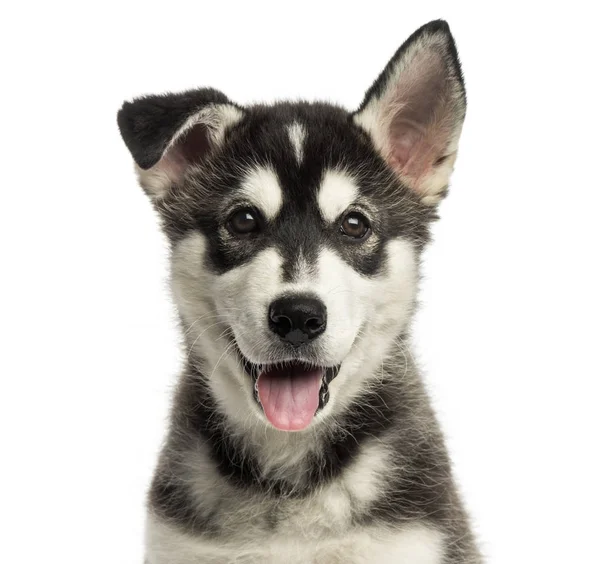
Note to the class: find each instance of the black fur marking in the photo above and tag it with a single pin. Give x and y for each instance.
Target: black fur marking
(148, 124)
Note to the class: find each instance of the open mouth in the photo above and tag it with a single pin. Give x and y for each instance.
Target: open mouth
(290, 393)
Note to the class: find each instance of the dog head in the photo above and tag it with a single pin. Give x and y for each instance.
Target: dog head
(296, 229)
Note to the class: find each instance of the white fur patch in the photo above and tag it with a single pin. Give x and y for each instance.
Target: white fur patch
(261, 187)
(417, 544)
(297, 134)
(391, 299)
(364, 477)
(216, 117)
(414, 544)
(338, 191)
(243, 294)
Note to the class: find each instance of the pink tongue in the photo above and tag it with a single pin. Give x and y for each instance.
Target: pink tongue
(290, 396)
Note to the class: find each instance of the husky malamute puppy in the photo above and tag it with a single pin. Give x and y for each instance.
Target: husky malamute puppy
(301, 431)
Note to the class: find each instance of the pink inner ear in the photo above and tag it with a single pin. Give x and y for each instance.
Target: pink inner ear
(191, 148)
(410, 151)
(418, 114)
(173, 165)
(194, 144)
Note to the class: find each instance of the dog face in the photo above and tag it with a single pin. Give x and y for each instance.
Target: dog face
(296, 228)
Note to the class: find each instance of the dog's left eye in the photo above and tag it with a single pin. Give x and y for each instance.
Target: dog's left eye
(243, 222)
(355, 225)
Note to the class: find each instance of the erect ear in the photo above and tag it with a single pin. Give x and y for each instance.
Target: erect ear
(415, 110)
(168, 133)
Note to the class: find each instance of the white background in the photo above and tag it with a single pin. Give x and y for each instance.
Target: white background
(508, 331)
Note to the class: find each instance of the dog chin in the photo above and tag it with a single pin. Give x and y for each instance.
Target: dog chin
(290, 392)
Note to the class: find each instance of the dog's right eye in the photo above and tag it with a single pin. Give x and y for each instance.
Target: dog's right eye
(243, 222)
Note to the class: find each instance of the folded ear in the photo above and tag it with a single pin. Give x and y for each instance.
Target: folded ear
(166, 134)
(415, 110)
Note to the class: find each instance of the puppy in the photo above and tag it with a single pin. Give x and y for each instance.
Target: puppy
(300, 430)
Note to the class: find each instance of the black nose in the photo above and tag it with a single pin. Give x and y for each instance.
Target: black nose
(297, 319)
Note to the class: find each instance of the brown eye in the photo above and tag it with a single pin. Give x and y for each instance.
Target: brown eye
(243, 222)
(355, 225)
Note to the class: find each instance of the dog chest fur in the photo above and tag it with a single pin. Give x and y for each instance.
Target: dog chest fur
(413, 545)
(319, 529)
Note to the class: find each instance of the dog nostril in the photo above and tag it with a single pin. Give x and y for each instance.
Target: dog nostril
(314, 323)
(283, 323)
